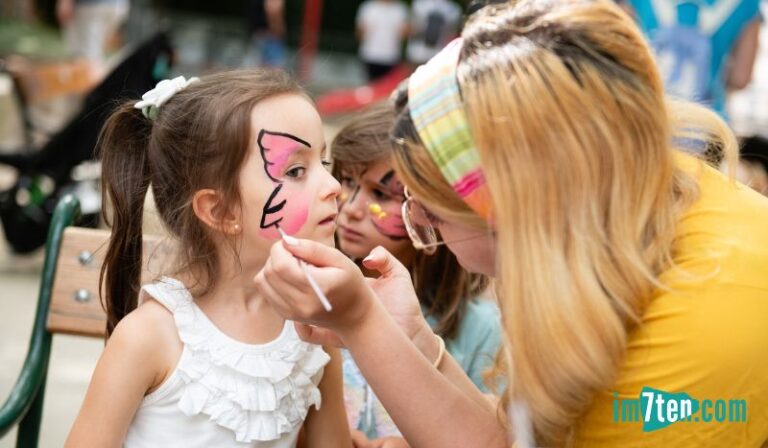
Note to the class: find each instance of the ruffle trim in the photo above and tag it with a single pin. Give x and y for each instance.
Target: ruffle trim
(260, 392)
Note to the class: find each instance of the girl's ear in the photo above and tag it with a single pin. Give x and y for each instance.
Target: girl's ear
(208, 208)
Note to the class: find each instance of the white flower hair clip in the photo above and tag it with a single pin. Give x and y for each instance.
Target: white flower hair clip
(152, 100)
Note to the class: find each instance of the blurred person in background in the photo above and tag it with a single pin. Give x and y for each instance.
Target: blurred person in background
(704, 48)
(266, 26)
(381, 27)
(433, 24)
(88, 26)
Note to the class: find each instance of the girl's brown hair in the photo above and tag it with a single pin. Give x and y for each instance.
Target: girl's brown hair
(578, 146)
(199, 139)
(441, 284)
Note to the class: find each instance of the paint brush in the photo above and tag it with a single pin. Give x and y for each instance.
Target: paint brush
(312, 282)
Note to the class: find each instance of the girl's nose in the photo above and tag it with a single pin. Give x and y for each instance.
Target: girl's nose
(331, 188)
(353, 203)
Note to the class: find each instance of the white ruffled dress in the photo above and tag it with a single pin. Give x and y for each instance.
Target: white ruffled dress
(226, 393)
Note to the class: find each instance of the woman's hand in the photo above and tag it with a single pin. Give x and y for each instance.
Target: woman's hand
(284, 285)
(394, 288)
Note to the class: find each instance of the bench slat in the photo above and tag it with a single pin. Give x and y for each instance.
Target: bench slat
(75, 304)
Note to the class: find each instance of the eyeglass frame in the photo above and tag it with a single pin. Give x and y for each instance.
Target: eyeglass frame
(418, 244)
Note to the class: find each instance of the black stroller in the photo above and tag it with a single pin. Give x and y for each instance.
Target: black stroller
(46, 174)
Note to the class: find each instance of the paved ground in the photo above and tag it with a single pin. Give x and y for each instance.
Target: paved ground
(72, 359)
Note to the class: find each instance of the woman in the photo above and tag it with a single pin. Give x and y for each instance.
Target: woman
(621, 262)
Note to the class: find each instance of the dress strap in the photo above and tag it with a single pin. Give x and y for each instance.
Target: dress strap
(167, 291)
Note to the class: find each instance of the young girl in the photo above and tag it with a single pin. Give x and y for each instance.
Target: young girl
(203, 361)
(369, 216)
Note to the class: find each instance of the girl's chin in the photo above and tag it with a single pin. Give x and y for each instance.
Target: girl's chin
(352, 250)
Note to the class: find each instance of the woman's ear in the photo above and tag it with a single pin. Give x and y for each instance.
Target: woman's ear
(209, 209)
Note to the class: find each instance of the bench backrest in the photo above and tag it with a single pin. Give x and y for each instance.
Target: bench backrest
(75, 303)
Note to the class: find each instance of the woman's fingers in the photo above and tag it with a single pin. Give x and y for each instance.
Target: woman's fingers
(317, 335)
(283, 266)
(382, 260)
(315, 253)
(278, 301)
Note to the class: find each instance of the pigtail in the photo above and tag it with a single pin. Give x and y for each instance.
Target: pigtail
(123, 149)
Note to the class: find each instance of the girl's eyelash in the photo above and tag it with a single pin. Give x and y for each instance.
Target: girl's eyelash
(293, 171)
(326, 162)
(381, 195)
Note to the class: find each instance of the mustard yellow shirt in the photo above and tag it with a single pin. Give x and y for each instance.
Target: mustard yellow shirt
(707, 337)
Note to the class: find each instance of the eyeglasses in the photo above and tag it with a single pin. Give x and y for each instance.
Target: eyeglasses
(419, 224)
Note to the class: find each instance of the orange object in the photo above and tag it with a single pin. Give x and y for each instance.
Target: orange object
(41, 82)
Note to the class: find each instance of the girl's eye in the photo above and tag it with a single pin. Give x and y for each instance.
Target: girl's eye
(347, 182)
(296, 172)
(380, 195)
(326, 163)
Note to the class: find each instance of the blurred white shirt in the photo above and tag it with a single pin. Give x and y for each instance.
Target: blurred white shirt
(382, 23)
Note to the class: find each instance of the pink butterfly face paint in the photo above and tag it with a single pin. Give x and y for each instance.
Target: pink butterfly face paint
(286, 206)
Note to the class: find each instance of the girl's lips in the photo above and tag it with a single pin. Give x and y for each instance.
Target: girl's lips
(330, 219)
(350, 234)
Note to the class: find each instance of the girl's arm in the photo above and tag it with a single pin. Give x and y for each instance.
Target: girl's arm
(328, 427)
(131, 364)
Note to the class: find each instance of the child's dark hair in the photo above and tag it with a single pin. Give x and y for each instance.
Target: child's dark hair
(199, 139)
(441, 284)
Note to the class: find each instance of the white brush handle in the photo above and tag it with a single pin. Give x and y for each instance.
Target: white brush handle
(312, 282)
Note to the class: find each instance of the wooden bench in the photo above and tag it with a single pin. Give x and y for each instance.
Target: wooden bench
(68, 302)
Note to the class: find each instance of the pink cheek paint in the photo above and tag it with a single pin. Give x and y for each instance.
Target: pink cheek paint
(388, 221)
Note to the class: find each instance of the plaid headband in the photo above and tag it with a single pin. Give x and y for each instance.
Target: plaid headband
(437, 112)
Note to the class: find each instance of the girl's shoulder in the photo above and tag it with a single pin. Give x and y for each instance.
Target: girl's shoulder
(148, 334)
(150, 322)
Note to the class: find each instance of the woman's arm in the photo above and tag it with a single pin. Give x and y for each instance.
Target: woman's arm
(128, 368)
(327, 427)
(421, 400)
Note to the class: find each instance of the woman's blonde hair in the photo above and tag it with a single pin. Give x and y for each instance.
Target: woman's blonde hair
(578, 144)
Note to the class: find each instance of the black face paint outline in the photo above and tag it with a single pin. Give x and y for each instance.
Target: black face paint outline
(354, 194)
(269, 208)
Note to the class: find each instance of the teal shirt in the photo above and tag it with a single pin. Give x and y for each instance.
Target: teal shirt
(474, 348)
(477, 340)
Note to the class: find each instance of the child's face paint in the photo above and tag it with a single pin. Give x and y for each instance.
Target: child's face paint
(283, 182)
(370, 212)
(388, 219)
(282, 208)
